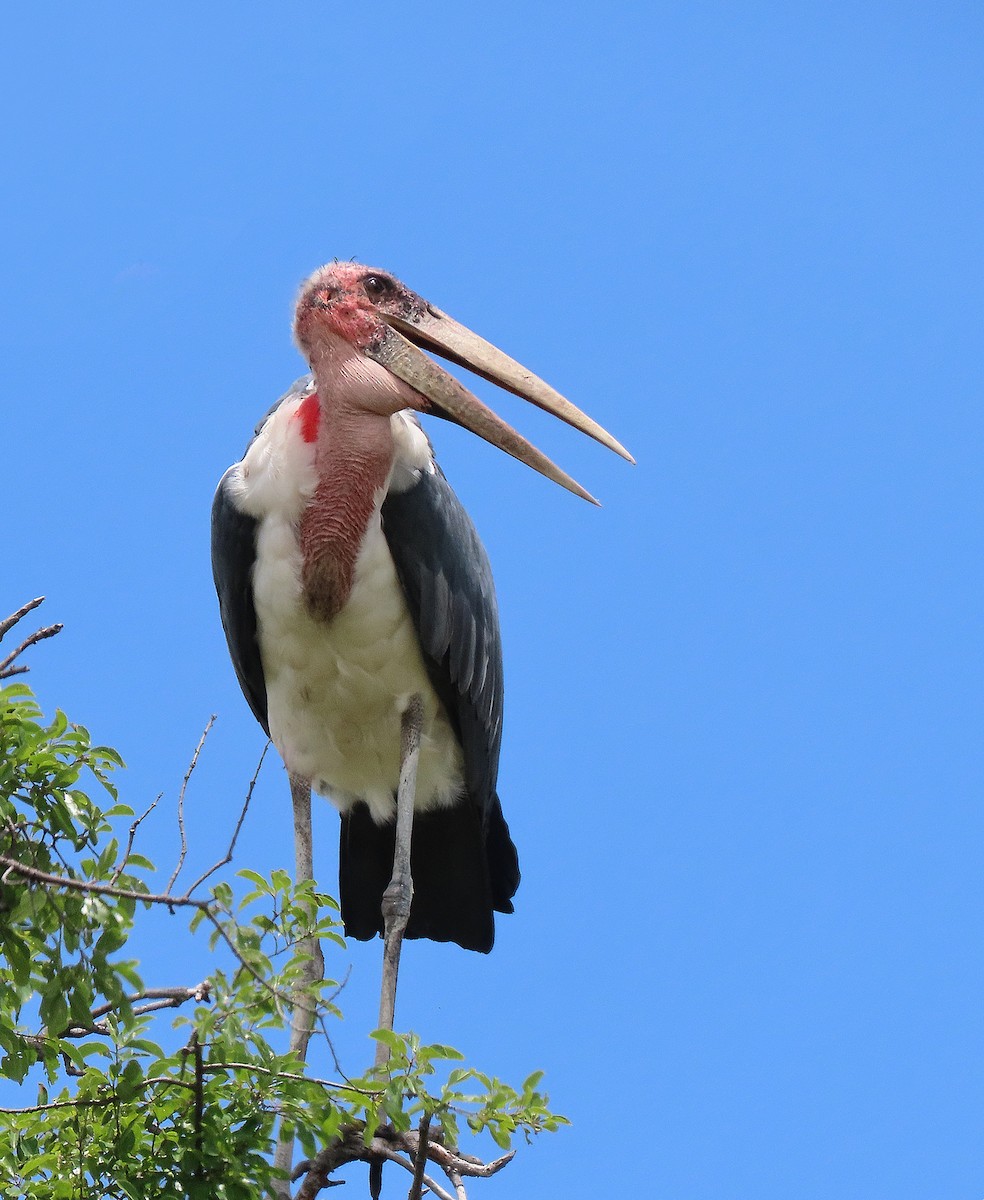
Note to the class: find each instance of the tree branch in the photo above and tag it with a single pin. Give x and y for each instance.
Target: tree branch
(165, 997)
(181, 799)
(95, 1101)
(215, 1068)
(160, 998)
(6, 667)
(12, 866)
(239, 824)
(9, 622)
(132, 834)
(420, 1158)
(410, 1149)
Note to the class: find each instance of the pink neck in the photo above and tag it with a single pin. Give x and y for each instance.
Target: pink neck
(354, 456)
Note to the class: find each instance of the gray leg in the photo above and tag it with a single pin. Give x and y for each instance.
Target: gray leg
(397, 897)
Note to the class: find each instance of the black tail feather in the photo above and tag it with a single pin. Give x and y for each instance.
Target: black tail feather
(460, 874)
(503, 861)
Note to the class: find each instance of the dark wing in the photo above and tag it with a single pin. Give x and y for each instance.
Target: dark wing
(447, 581)
(233, 556)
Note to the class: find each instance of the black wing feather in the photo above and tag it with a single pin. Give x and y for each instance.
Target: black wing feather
(233, 556)
(447, 581)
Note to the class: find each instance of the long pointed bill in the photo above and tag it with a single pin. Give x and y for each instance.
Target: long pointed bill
(436, 331)
(399, 355)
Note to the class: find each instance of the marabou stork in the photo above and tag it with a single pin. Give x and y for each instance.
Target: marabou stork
(350, 577)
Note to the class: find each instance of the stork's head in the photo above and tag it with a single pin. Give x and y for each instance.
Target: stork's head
(368, 311)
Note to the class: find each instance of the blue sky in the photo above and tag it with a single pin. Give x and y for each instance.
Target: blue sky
(742, 759)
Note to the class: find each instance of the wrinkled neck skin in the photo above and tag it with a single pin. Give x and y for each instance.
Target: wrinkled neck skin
(353, 458)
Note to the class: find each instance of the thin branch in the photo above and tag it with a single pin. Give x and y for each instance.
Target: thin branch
(342, 986)
(203, 905)
(95, 1101)
(142, 1009)
(420, 1158)
(6, 670)
(165, 997)
(214, 1068)
(11, 865)
(323, 1025)
(181, 799)
(239, 824)
(381, 1149)
(457, 1183)
(9, 622)
(132, 834)
(170, 1081)
(466, 1164)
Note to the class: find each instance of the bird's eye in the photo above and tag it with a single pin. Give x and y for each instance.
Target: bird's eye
(375, 286)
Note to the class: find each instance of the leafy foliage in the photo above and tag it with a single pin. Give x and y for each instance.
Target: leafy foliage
(111, 1113)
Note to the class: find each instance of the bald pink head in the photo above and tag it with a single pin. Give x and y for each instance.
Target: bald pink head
(339, 324)
(351, 302)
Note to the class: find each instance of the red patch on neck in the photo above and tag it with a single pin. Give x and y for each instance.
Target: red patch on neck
(309, 415)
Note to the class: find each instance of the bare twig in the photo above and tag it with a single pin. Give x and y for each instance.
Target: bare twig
(160, 998)
(227, 857)
(12, 866)
(457, 1183)
(181, 799)
(7, 670)
(6, 665)
(322, 1024)
(420, 1158)
(235, 833)
(164, 997)
(132, 834)
(342, 986)
(9, 622)
(466, 1164)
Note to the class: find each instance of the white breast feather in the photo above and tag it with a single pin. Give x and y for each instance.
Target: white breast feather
(336, 691)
